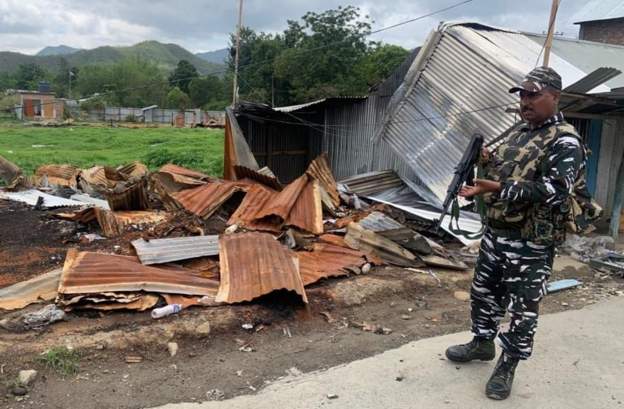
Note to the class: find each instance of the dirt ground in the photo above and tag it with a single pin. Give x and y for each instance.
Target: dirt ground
(286, 338)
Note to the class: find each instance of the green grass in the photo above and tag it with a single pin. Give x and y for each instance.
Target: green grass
(60, 359)
(85, 146)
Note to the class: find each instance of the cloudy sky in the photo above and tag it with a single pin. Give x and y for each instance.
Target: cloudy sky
(203, 25)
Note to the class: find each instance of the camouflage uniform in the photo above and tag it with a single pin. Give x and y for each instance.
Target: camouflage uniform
(538, 169)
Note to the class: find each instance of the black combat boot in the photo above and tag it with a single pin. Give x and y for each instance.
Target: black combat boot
(479, 348)
(499, 385)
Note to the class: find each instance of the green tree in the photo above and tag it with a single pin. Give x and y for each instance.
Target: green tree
(29, 75)
(60, 82)
(7, 81)
(183, 74)
(132, 82)
(177, 99)
(380, 62)
(206, 89)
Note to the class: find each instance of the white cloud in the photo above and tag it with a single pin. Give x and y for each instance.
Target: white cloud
(199, 25)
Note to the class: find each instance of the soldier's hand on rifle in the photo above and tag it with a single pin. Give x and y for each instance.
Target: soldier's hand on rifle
(480, 186)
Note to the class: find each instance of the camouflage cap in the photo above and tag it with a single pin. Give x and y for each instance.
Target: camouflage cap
(538, 79)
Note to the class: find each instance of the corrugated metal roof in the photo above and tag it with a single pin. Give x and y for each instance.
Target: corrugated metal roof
(293, 108)
(378, 222)
(282, 203)
(204, 200)
(372, 182)
(60, 175)
(588, 55)
(89, 200)
(40, 288)
(30, 197)
(367, 241)
(307, 212)
(326, 260)
(133, 170)
(255, 199)
(88, 273)
(599, 10)
(114, 223)
(319, 169)
(458, 86)
(268, 180)
(591, 81)
(180, 248)
(255, 264)
(131, 197)
(181, 171)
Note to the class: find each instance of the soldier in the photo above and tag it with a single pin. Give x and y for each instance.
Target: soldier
(527, 186)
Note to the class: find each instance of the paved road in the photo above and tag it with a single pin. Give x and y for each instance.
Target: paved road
(578, 363)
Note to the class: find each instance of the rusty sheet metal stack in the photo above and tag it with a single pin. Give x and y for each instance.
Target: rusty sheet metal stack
(270, 237)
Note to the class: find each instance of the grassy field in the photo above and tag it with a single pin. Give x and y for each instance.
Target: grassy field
(85, 146)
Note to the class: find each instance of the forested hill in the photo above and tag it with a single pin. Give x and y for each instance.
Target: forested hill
(164, 55)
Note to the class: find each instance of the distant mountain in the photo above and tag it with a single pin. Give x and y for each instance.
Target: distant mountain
(165, 55)
(216, 56)
(59, 50)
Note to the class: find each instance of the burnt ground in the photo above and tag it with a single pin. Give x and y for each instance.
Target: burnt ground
(286, 335)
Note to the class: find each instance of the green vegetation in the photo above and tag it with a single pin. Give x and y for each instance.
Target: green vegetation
(320, 55)
(86, 146)
(166, 56)
(61, 359)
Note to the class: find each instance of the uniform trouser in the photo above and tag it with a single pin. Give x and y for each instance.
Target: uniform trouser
(511, 274)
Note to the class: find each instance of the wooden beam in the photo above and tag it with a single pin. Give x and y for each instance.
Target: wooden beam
(551, 31)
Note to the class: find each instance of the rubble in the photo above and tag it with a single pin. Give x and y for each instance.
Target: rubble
(232, 240)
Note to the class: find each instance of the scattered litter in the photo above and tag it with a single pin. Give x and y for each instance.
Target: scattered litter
(172, 347)
(248, 327)
(166, 310)
(215, 394)
(45, 316)
(584, 248)
(560, 285)
(26, 377)
(134, 359)
(332, 396)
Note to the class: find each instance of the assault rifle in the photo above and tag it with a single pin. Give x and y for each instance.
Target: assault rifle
(464, 174)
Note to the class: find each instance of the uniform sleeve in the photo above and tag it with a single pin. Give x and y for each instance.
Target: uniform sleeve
(563, 164)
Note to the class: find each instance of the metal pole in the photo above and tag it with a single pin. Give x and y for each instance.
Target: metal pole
(238, 30)
(551, 31)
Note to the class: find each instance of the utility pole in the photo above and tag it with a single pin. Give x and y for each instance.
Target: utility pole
(238, 31)
(69, 74)
(551, 31)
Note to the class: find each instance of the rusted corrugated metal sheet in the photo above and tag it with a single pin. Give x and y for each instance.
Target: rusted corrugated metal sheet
(131, 197)
(57, 175)
(41, 288)
(326, 260)
(133, 170)
(255, 264)
(99, 178)
(12, 175)
(92, 273)
(114, 223)
(236, 150)
(204, 200)
(267, 180)
(319, 169)
(255, 199)
(386, 226)
(283, 202)
(181, 171)
(161, 251)
(307, 212)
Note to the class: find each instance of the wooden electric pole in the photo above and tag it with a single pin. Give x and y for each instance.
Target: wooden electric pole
(238, 31)
(551, 31)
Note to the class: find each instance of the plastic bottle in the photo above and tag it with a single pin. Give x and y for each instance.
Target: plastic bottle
(166, 310)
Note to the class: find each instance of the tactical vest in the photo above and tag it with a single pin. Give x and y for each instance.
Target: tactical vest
(524, 160)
